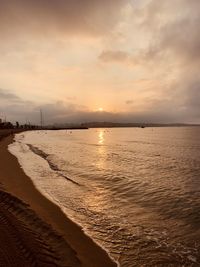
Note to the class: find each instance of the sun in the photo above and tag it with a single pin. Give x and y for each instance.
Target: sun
(100, 109)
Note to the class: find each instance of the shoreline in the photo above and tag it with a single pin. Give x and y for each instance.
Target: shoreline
(80, 248)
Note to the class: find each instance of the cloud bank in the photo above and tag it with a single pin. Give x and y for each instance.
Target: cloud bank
(91, 17)
(145, 57)
(171, 55)
(16, 109)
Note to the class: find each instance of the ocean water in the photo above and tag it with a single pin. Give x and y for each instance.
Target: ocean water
(135, 191)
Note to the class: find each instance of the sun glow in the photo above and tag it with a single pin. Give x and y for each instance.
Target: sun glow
(100, 109)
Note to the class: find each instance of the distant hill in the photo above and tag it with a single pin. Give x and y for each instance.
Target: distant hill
(141, 125)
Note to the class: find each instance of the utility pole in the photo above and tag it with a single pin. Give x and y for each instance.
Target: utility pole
(41, 118)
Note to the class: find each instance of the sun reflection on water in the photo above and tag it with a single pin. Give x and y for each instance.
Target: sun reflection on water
(101, 137)
(101, 151)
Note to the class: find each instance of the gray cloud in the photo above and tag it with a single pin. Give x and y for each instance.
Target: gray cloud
(114, 56)
(6, 95)
(13, 107)
(174, 54)
(177, 35)
(17, 109)
(47, 16)
(129, 102)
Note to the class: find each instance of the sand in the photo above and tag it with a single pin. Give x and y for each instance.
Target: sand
(34, 231)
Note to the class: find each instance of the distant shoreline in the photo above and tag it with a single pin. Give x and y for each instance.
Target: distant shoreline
(86, 126)
(70, 246)
(134, 125)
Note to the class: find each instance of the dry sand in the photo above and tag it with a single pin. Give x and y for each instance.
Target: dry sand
(33, 230)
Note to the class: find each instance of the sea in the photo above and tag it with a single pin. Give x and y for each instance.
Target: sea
(134, 191)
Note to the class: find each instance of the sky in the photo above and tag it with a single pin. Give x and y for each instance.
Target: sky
(100, 60)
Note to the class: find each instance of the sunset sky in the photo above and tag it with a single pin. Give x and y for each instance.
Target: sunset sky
(100, 60)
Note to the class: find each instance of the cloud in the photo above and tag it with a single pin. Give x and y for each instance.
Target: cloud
(114, 56)
(13, 107)
(172, 54)
(129, 102)
(17, 109)
(161, 37)
(92, 17)
(172, 34)
(6, 95)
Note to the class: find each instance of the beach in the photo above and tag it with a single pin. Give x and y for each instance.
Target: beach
(34, 231)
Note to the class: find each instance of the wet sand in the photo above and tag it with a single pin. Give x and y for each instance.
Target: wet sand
(34, 231)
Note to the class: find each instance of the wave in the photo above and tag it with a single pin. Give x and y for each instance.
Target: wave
(52, 165)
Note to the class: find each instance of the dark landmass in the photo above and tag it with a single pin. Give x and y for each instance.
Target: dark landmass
(78, 127)
(8, 127)
(140, 125)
